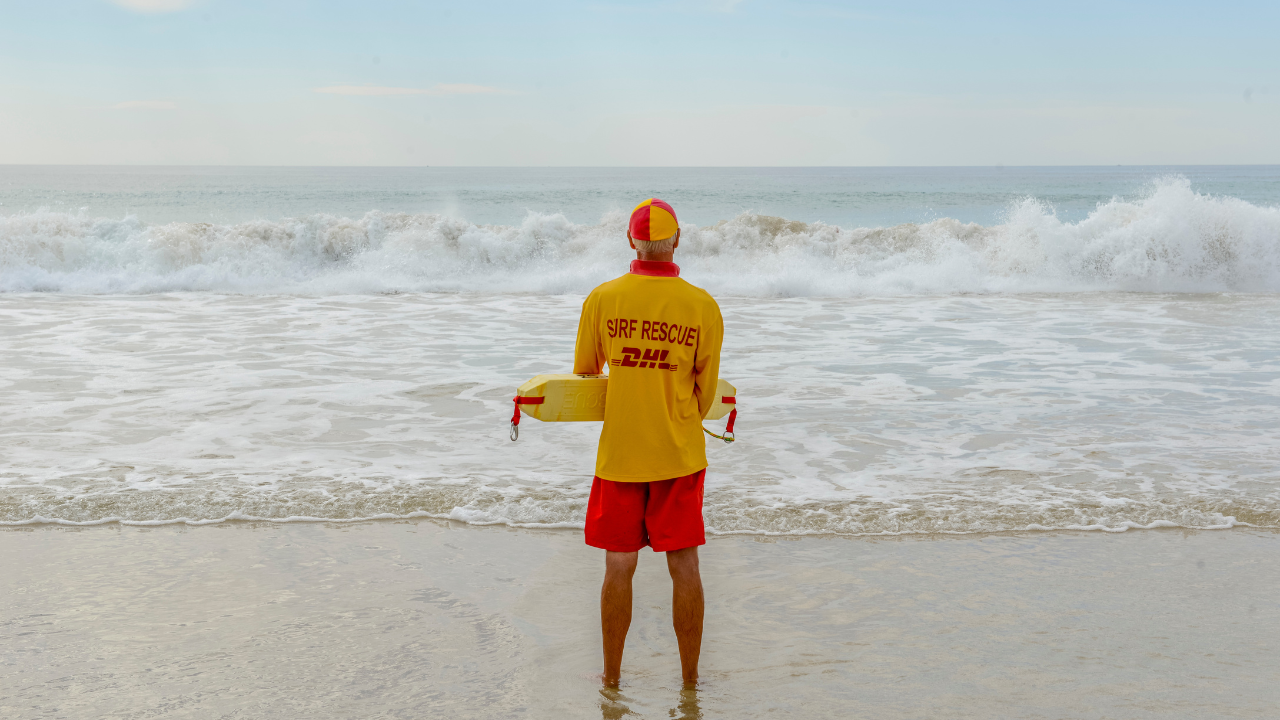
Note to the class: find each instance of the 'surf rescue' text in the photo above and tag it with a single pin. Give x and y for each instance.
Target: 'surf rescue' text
(630, 328)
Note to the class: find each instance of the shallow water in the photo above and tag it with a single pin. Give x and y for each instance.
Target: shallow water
(1064, 348)
(918, 352)
(892, 415)
(418, 619)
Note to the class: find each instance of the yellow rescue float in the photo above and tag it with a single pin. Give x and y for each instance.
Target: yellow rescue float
(580, 398)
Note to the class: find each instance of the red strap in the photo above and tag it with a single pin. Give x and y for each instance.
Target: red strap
(519, 400)
(730, 400)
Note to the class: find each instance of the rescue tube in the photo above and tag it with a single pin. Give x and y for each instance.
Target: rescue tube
(580, 398)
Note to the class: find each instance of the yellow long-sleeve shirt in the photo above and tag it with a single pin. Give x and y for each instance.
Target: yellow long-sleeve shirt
(660, 338)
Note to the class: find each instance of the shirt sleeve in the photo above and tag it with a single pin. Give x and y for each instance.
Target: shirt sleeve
(588, 353)
(706, 370)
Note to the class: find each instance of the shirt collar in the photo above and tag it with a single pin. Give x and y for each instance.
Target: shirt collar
(655, 269)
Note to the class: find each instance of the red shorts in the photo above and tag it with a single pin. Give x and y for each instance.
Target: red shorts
(663, 514)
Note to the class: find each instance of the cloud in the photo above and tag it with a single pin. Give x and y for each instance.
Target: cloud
(154, 6)
(146, 105)
(446, 89)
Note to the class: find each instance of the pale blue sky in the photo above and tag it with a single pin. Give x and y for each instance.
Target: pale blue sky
(596, 83)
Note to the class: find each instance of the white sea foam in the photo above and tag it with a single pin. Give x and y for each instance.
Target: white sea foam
(1172, 239)
(950, 414)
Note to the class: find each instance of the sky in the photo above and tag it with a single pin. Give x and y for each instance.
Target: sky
(697, 83)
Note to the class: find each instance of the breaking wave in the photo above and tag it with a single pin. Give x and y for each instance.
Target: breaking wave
(1173, 239)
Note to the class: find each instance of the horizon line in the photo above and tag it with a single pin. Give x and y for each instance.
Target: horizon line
(636, 167)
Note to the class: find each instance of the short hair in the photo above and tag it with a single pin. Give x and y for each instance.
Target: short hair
(655, 246)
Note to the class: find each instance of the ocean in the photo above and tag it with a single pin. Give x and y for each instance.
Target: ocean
(917, 350)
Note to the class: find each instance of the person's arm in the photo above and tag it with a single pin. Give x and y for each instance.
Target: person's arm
(706, 369)
(588, 353)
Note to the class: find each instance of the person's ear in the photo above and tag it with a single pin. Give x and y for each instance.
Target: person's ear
(631, 242)
(676, 244)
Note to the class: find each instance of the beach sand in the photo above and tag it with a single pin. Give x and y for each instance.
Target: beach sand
(429, 619)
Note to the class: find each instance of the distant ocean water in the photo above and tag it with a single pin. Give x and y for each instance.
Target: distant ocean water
(917, 350)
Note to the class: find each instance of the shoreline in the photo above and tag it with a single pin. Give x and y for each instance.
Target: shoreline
(235, 518)
(431, 617)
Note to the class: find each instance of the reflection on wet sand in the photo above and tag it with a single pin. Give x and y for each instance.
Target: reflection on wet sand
(688, 707)
(436, 619)
(613, 704)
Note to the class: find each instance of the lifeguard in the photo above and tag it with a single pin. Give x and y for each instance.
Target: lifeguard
(660, 338)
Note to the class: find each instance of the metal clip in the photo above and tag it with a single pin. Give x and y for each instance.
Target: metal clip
(515, 432)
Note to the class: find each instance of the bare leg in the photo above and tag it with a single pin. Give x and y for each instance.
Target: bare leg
(615, 610)
(686, 608)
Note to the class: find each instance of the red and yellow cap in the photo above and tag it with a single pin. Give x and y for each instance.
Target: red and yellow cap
(653, 220)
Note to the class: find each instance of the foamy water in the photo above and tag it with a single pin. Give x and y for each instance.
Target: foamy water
(1107, 368)
(860, 415)
(1170, 239)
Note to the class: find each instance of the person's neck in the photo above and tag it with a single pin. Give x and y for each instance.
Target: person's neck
(656, 257)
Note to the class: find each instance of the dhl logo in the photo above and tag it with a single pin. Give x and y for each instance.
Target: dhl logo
(633, 357)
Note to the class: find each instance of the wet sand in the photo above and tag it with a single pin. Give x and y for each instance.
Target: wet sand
(437, 619)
